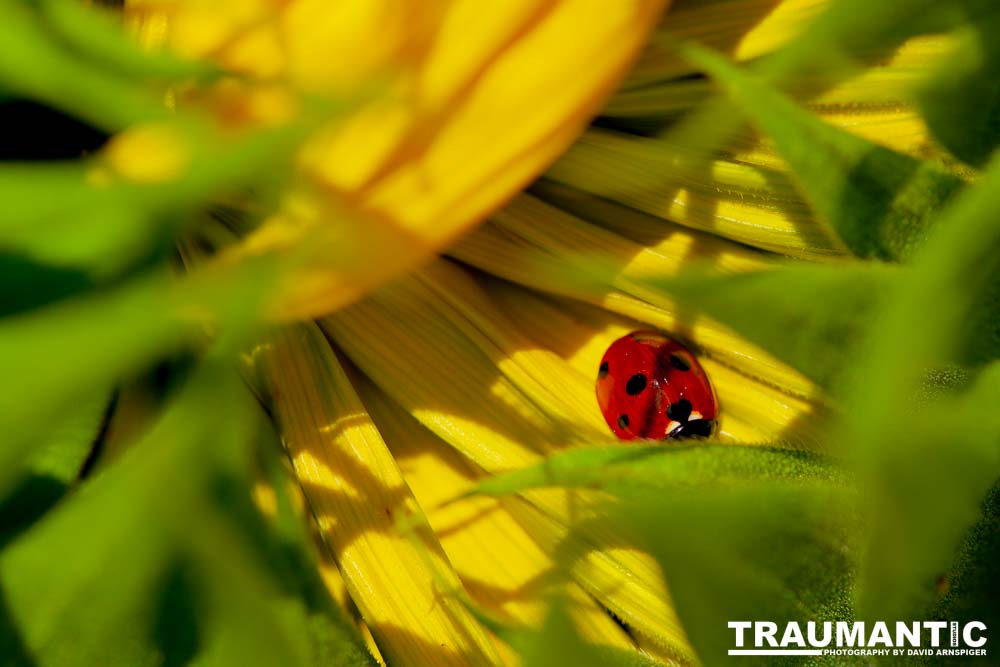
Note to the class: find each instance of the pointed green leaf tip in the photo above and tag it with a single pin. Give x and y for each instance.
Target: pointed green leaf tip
(880, 202)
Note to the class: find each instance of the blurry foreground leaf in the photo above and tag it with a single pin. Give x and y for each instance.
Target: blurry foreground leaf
(775, 550)
(929, 479)
(879, 201)
(69, 614)
(809, 316)
(64, 352)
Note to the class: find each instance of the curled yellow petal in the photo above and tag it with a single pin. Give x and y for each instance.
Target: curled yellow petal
(475, 101)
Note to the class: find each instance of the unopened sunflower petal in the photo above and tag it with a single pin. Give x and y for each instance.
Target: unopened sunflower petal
(500, 564)
(357, 492)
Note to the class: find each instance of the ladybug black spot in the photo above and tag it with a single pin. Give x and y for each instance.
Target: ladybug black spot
(679, 363)
(623, 422)
(635, 384)
(680, 411)
(603, 371)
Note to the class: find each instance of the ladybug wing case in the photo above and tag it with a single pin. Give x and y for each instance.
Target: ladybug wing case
(650, 386)
(629, 392)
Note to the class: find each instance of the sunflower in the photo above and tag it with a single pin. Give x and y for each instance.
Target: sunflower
(319, 386)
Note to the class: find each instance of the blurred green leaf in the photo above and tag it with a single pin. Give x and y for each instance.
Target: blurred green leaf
(53, 466)
(118, 529)
(80, 215)
(34, 65)
(29, 284)
(60, 353)
(99, 36)
(924, 502)
(156, 534)
(847, 36)
(961, 100)
(852, 34)
(879, 201)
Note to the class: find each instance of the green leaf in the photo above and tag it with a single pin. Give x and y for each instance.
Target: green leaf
(972, 586)
(929, 475)
(65, 215)
(641, 470)
(153, 561)
(926, 500)
(118, 529)
(28, 284)
(852, 34)
(961, 100)
(770, 551)
(879, 201)
(54, 465)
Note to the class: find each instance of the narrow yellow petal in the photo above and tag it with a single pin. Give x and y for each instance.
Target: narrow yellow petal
(500, 564)
(357, 494)
(753, 205)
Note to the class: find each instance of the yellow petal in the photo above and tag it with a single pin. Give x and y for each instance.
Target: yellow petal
(357, 494)
(753, 205)
(501, 565)
(464, 369)
(744, 29)
(536, 244)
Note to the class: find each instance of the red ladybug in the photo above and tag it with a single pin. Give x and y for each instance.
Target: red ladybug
(651, 386)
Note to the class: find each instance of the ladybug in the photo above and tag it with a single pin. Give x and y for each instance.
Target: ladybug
(650, 386)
